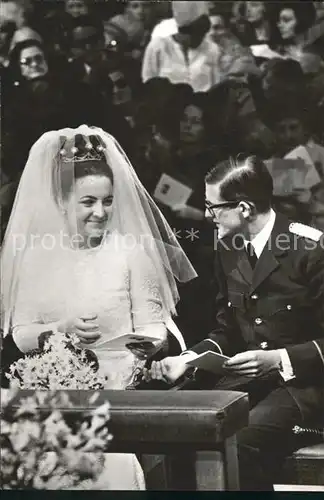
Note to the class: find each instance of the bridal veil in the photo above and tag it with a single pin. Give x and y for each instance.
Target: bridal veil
(37, 217)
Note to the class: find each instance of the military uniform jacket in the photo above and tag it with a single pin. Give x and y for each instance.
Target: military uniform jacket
(279, 304)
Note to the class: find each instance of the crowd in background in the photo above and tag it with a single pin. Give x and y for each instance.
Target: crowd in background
(181, 85)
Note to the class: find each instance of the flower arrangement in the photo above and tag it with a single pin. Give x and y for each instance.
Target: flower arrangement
(58, 363)
(40, 450)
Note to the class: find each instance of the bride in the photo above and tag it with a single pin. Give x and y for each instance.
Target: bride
(87, 251)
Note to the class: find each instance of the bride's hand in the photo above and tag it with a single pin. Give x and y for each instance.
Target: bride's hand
(168, 369)
(84, 327)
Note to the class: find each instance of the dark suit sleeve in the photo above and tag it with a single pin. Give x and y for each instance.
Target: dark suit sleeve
(224, 339)
(307, 359)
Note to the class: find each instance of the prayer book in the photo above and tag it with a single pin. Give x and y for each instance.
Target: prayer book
(312, 177)
(171, 192)
(209, 361)
(292, 176)
(121, 342)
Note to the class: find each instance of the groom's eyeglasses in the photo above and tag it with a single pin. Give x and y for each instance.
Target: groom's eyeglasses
(211, 207)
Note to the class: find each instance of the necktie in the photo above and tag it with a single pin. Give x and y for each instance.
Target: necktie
(253, 259)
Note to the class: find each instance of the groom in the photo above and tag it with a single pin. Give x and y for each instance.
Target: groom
(269, 316)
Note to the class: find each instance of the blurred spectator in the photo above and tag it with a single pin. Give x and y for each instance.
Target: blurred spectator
(77, 8)
(7, 29)
(235, 60)
(314, 37)
(23, 34)
(38, 99)
(29, 109)
(115, 40)
(282, 82)
(32, 61)
(16, 11)
(243, 129)
(125, 88)
(188, 56)
(57, 32)
(292, 129)
(253, 23)
(182, 148)
(315, 91)
(166, 27)
(130, 28)
(109, 74)
(319, 7)
(293, 21)
(153, 101)
(87, 41)
(183, 145)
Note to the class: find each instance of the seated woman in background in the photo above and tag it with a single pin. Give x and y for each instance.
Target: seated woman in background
(95, 258)
(254, 23)
(183, 149)
(236, 61)
(131, 26)
(293, 21)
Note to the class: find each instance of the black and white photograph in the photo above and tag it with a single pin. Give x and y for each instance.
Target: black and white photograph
(162, 245)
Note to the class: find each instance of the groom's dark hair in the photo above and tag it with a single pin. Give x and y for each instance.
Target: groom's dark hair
(243, 179)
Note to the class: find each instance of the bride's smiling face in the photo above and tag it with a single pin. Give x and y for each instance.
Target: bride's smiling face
(90, 206)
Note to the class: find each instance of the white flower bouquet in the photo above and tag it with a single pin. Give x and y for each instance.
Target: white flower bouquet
(58, 364)
(41, 450)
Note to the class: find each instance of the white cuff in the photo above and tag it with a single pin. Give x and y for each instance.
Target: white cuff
(189, 355)
(287, 371)
(217, 345)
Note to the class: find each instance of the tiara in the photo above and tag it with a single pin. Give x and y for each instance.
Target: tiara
(93, 153)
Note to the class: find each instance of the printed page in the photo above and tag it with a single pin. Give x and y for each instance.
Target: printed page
(171, 192)
(209, 361)
(120, 343)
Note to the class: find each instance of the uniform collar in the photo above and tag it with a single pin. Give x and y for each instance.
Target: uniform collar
(278, 244)
(260, 240)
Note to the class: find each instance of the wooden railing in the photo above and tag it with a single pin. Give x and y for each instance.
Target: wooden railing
(195, 427)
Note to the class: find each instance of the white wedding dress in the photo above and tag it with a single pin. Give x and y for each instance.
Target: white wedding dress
(118, 284)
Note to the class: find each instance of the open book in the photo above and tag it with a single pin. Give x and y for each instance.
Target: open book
(263, 51)
(213, 362)
(209, 361)
(171, 192)
(294, 173)
(121, 342)
(312, 177)
(288, 175)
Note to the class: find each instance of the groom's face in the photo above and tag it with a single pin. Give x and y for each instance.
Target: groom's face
(90, 206)
(228, 219)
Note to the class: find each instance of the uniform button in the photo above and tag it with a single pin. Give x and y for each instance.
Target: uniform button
(254, 296)
(258, 321)
(229, 304)
(288, 307)
(264, 345)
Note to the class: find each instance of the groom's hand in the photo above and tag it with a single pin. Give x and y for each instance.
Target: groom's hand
(168, 369)
(253, 363)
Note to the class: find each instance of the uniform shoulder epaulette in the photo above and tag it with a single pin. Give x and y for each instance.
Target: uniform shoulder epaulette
(305, 231)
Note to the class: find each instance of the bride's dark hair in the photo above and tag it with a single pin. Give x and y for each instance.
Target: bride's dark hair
(79, 157)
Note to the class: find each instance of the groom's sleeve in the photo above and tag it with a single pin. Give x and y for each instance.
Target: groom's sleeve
(224, 339)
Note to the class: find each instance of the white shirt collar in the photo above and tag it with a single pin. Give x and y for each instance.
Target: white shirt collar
(259, 241)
